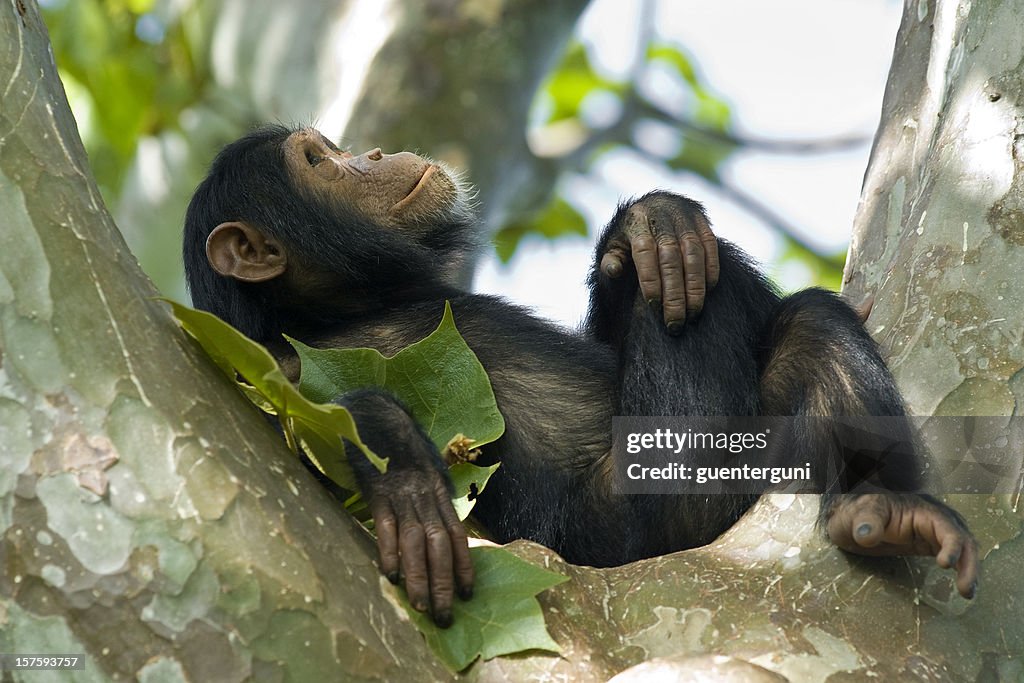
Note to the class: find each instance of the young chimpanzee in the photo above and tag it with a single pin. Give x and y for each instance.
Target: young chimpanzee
(288, 234)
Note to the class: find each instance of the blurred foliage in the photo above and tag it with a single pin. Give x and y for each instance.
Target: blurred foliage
(557, 219)
(699, 152)
(825, 270)
(572, 82)
(597, 114)
(129, 71)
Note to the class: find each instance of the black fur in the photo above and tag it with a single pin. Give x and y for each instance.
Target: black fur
(750, 352)
(248, 181)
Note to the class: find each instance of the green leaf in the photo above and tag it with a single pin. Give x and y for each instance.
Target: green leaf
(439, 379)
(676, 58)
(712, 111)
(702, 156)
(557, 219)
(571, 82)
(319, 428)
(502, 617)
(826, 270)
(468, 479)
(444, 385)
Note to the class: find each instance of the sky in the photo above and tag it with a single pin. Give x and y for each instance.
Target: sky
(790, 69)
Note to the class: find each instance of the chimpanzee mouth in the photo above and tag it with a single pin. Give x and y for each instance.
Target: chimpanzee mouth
(415, 191)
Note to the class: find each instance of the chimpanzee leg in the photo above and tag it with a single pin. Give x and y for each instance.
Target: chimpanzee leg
(821, 366)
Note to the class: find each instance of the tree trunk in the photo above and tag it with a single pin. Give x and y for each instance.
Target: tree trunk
(453, 79)
(939, 236)
(154, 523)
(151, 519)
(939, 242)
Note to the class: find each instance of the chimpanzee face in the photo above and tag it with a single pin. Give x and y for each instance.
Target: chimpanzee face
(287, 228)
(399, 190)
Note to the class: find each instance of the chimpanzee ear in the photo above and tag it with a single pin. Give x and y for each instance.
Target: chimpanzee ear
(242, 252)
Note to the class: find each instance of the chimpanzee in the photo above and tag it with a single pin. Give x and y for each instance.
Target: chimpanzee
(289, 234)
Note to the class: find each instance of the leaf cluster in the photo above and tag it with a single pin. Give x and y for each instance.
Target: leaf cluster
(445, 387)
(129, 69)
(584, 115)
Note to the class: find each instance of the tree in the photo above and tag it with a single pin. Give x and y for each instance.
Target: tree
(426, 76)
(153, 522)
(132, 470)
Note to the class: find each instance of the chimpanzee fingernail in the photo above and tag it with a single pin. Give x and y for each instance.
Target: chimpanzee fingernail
(393, 577)
(419, 606)
(864, 530)
(444, 619)
(972, 590)
(675, 328)
(953, 559)
(613, 270)
(466, 592)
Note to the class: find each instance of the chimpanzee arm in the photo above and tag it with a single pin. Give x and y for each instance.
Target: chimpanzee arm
(662, 244)
(418, 533)
(821, 363)
(707, 367)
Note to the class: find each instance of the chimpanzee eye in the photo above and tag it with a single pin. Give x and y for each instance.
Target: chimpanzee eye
(313, 159)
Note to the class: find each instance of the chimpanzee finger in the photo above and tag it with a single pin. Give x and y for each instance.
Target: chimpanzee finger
(968, 569)
(645, 259)
(950, 545)
(611, 262)
(673, 286)
(386, 526)
(858, 524)
(439, 562)
(863, 309)
(413, 555)
(712, 267)
(868, 527)
(442, 580)
(694, 272)
(958, 550)
(879, 524)
(462, 564)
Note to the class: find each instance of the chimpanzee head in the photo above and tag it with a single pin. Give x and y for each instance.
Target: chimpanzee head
(289, 232)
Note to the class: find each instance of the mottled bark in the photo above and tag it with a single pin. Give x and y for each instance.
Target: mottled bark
(939, 243)
(939, 237)
(152, 521)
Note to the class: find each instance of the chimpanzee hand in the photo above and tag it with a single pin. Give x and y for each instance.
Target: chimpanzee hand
(419, 536)
(906, 524)
(673, 250)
